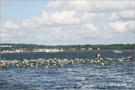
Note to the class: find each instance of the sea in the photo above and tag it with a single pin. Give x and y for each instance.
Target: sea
(67, 70)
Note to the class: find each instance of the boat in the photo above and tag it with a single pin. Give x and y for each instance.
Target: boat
(98, 56)
(130, 57)
(117, 51)
(52, 51)
(2, 52)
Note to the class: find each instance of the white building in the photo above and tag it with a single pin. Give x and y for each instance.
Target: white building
(82, 48)
(90, 49)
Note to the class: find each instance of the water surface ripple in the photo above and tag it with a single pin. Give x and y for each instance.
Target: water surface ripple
(27, 70)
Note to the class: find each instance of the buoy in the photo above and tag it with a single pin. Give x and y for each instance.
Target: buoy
(69, 70)
(103, 64)
(17, 65)
(98, 61)
(4, 64)
(62, 65)
(83, 79)
(46, 67)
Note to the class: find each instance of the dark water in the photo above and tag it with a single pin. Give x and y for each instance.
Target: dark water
(27, 70)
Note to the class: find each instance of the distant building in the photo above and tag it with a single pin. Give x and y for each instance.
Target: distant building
(61, 49)
(2, 46)
(73, 49)
(82, 49)
(90, 49)
(5, 46)
(41, 50)
(9, 46)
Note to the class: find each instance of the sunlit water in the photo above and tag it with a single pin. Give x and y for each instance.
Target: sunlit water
(27, 70)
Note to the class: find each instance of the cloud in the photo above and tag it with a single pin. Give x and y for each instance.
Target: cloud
(61, 18)
(31, 23)
(119, 27)
(55, 18)
(50, 29)
(61, 37)
(122, 15)
(65, 17)
(9, 30)
(130, 26)
(55, 4)
(13, 34)
(88, 30)
(8, 36)
(10, 25)
(74, 22)
(91, 6)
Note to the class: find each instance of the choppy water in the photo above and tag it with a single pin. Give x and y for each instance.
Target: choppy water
(27, 70)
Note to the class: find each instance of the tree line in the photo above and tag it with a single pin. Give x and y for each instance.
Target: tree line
(79, 47)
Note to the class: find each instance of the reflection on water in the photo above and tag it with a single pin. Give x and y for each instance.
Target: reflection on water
(66, 70)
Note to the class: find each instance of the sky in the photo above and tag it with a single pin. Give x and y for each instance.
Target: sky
(67, 22)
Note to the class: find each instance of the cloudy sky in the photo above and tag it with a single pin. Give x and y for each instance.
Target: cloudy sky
(67, 22)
